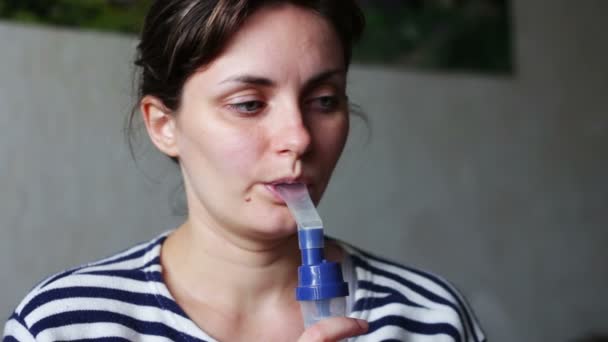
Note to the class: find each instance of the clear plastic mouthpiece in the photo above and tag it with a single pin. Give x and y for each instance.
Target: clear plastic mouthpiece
(298, 200)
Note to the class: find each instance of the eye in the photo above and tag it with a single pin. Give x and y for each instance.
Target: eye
(247, 107)
(328, 103)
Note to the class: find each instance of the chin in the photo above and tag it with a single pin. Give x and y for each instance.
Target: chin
(271, 235)
(270, 228)
(266, 220)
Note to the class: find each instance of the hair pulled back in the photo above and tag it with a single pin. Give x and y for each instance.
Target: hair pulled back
(180, 36)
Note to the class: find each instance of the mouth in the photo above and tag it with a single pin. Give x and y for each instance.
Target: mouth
(272, 187)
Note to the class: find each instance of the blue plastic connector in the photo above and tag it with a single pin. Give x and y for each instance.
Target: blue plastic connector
(318, 279)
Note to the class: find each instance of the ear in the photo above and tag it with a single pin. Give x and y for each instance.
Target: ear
(160, 124)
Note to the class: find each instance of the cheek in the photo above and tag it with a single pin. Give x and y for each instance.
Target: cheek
(332, 138)
(235, 153)
(344, 129)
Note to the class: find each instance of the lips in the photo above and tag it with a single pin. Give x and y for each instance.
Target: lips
(271, 186)
(274, 192)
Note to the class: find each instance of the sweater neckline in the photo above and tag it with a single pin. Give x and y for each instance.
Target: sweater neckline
(159, 287)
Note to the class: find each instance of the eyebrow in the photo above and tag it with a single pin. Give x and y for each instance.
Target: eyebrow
(249, 79)
(322, 77)
(266, 82)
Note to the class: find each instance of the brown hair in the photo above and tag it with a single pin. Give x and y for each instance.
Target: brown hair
(180, 36)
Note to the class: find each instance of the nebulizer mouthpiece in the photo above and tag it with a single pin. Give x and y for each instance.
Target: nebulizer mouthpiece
(321, 287)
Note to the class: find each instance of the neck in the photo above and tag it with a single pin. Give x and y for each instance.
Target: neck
(245, 273)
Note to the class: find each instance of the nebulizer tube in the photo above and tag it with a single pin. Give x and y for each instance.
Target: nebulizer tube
(321, 287)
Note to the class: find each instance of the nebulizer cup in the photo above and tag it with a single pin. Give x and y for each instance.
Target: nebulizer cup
(321, 289)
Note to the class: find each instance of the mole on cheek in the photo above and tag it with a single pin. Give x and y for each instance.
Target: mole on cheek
(247, 199)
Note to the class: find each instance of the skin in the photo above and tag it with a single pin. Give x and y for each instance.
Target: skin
(271, 107)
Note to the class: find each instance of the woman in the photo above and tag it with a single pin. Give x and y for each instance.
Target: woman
(243, 95)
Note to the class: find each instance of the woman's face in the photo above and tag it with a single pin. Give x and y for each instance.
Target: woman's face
(270, 109)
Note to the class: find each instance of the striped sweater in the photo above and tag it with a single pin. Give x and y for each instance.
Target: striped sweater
(123, 298)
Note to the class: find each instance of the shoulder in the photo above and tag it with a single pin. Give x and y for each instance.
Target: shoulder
(111, 289)
(403, 300)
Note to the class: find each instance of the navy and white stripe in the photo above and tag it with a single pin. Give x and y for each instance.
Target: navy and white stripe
(123, 298)
(405, 304)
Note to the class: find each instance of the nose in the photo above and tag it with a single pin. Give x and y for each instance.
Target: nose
(292, 134)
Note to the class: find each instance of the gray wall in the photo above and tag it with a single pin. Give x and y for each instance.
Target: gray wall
(498, 184)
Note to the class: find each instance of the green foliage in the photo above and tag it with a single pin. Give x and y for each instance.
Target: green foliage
(472, 35)
(439, 34)
(121, 16)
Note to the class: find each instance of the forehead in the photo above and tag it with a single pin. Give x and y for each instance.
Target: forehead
(280, 42)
